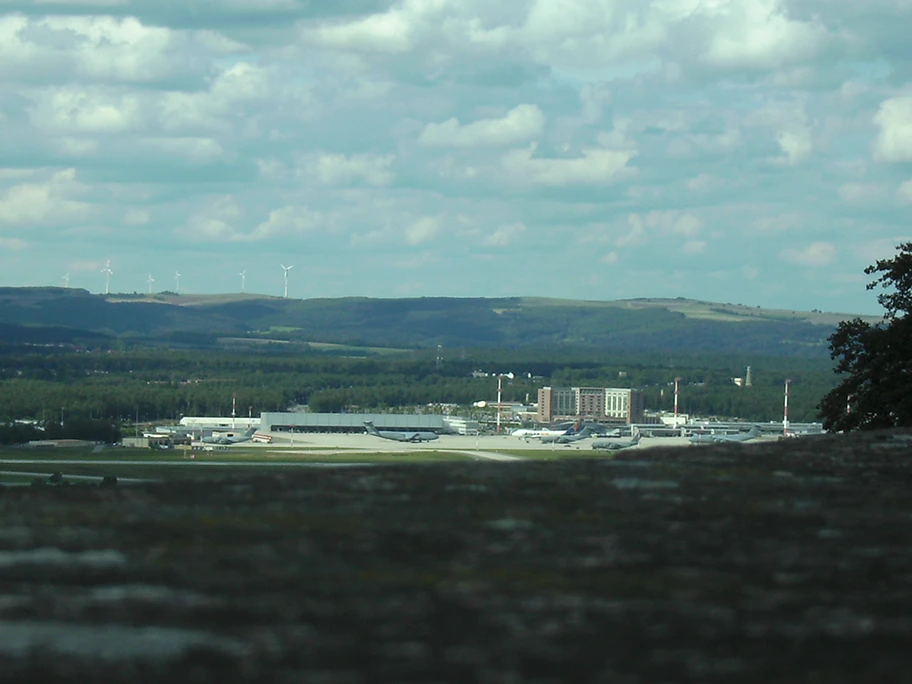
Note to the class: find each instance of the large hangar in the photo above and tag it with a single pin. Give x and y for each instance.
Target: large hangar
(351, 422)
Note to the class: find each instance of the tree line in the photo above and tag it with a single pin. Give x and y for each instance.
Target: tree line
(57, 387)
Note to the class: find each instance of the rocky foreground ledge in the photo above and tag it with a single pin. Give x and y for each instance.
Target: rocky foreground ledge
(786, 562)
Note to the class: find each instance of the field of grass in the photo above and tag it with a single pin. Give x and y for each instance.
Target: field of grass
(148, 464)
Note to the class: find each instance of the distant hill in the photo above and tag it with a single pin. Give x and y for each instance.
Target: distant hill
(517, 322)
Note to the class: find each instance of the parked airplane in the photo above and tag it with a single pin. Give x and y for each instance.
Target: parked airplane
(616, 444)
(568, 437)
(399, 436)
(229, 438)
(542, 433)
(536, 433)
(709, 438)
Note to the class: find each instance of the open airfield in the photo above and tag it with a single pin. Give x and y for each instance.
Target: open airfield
(310, 450)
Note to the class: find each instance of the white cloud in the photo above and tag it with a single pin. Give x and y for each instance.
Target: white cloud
(90, 48)
(693, 247)
(423, 230)
(77, 147)
(335, 169)
(662, 224)
(522, 123)
(119, 49)
(905, 192)
(214, 221)
(502, 236)
(137, 217)
(194, 150)
(815, 255)
(290, 220)
(894, 141)
(750, 272)
(35, 203)
(220, 44)
(796, 144)
(230, 91)
(690, 145)
(392, 32)
(77, 110)
(17, 174)
(610, 258)
(242, 81)
(757, 34)
(595, 167)
(863, 192)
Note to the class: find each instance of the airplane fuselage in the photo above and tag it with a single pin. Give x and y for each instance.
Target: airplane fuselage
(400, 436)
(710, 438)
(407, 436)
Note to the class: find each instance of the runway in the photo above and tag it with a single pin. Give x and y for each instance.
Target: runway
(320, 450)
(492, 447)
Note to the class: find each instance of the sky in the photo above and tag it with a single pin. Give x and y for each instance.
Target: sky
(754, 152)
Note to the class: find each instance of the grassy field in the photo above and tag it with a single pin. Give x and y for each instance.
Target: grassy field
(148, 464)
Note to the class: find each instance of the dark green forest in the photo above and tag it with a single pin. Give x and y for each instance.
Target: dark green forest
(101, 388)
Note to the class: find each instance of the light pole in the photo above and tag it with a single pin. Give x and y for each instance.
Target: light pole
(677, 380)
(785, 416)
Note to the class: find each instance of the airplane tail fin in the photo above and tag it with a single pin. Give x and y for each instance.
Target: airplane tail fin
(371, 430)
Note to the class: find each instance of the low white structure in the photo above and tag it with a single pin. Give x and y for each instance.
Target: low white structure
(462, 426)
(218, 422)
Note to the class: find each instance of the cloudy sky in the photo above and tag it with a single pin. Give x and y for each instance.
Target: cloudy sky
(745, 151)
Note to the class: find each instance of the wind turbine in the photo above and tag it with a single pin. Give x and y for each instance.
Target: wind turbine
(243, 275)
(150, 281)
(177, 280)
(108, 273)
(287, 269)
(66, 280)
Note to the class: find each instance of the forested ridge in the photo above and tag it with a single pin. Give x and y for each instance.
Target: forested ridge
(43, 315)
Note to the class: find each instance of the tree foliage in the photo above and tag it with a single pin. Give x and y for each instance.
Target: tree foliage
(875, 361)
(50, 384)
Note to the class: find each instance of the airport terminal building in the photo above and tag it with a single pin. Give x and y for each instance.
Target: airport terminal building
(602, 404)
(354, 422)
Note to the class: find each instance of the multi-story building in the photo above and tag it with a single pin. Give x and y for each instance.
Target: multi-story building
(606, 404)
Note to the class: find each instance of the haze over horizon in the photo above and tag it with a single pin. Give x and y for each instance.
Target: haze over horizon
(747, 151)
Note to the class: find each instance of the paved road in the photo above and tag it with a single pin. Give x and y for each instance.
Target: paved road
(188, 464)
(90, 478)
